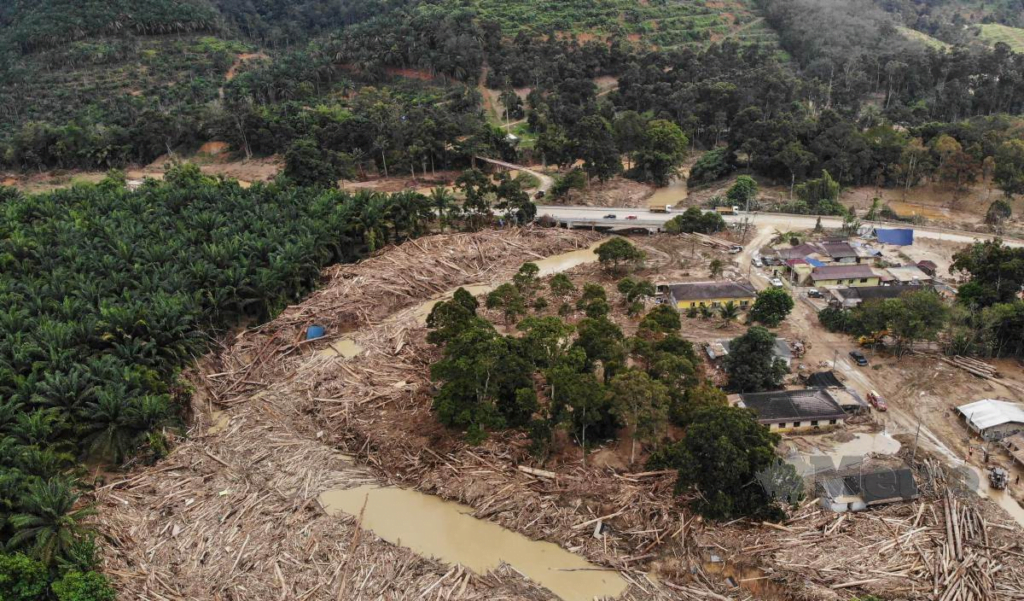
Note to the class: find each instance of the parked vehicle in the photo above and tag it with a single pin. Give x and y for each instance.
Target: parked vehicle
(814, 293)
(610, 216)
(631, 217)
(859, 358)
(775, 282)
(757, 262)
(735, 249)
(998, 478)
(877, 401)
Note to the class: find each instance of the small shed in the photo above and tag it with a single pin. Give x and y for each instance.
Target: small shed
(928, 267)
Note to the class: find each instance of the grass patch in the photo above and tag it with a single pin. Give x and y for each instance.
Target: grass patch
(991, 33)
(924, 38)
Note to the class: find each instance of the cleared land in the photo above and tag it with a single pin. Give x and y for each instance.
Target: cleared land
(992, 33)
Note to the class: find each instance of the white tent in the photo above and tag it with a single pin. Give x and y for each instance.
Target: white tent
(991, 416)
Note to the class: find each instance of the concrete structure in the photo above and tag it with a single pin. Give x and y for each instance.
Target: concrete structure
(710, 294)
(850, 275)
(868, 488)
(794, 410)
(993, 419)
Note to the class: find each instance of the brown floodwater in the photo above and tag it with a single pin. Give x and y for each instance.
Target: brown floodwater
(448, 532)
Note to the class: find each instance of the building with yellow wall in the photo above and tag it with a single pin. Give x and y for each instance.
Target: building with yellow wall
(844, 275)
(711, 294)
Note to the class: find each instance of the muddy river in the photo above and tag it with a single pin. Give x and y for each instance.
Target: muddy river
(447, 531)
(674, 192)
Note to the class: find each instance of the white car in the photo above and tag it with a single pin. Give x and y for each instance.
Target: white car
(775, 282)
(757, 262)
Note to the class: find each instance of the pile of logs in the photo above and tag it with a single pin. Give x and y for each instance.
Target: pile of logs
(972, 366)
(959, 572)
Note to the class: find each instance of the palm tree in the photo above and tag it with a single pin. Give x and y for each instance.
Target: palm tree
(442, 199)
(716, 266)
(48, 522)
(729, 311)
(706, 312)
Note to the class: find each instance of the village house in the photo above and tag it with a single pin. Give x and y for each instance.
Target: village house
(839, 252)
(848, 399)
(793, 410)
(993, 419)
(850, 275)
(867, 488)
(907, 275)
(710, 294)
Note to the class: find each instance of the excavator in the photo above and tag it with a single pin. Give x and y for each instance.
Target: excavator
(873, 339)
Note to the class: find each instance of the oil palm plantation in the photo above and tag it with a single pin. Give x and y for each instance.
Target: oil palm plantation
(49, 520)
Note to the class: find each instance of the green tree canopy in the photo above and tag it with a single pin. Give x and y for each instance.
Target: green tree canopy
(771, 307)
(730, 460)
(751, 363)
(617, 253)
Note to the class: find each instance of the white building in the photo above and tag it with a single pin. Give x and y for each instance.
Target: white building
(993, 419)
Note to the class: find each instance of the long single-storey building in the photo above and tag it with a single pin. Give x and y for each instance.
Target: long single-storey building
(993, 419)
(788, 410)
(710, 294)
(857, 492)
(850, 275)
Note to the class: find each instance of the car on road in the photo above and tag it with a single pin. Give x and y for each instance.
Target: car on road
(814, 293)
(859, 358)
(631, 217)
(735, 249)
(775, 282)
(877, 401)
(610, 216)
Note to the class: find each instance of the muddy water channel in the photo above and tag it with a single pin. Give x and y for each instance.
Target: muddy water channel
(674, 192)
(446, 531)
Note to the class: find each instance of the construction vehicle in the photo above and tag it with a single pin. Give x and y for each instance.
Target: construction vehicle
(873, 339)
(998, 478)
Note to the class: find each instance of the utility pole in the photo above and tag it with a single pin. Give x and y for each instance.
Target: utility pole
(917, 436)
(835, 358)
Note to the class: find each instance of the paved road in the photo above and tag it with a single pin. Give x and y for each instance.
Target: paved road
(781, 222)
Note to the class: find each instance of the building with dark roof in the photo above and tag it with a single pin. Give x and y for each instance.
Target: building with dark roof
(838, 275)
(863, 489)
(840, 252)
(710, 294)
(928, 267)
(848, 399)
(785, 410)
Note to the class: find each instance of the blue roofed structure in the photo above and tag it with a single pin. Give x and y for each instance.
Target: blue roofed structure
(898, 237)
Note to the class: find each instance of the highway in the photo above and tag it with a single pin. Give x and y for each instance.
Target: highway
(782, 222)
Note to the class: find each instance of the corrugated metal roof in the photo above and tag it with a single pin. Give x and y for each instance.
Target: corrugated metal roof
(711, 290)
(839, 272)
(987, 413)
(787, 405)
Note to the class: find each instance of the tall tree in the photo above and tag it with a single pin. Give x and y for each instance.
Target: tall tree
(751, 363)
(641, 403)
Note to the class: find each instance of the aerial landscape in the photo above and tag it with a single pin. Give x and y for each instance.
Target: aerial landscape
(523, 300)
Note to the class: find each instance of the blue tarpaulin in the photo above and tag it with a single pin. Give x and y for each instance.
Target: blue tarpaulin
(814, 262)
(899, 237)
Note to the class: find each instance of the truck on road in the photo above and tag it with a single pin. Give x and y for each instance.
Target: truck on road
(661, 208)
